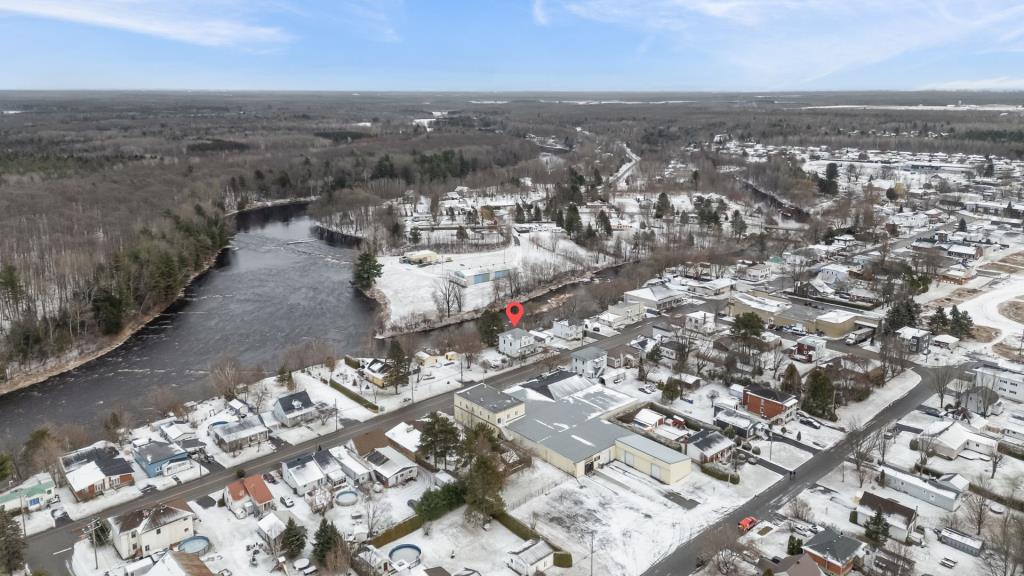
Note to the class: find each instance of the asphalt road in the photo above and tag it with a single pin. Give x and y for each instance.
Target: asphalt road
(683, 560)
(51, 550)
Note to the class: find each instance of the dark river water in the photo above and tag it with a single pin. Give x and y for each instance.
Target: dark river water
(277, 286)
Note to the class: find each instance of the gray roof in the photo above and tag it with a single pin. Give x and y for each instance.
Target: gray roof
(490, 398)
(516, 333)
(572, 426)
(829, 544)
(152, 452)
(653, 449)
(589, 353)
(708, 440)
(295, 402)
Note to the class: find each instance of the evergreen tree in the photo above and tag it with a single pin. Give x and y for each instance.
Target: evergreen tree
(367, 270)
(596, 180)
(439, 438)
(904, 312)
(654, 355)
(325, 538)
(520, 216)
(12, 543)
(876, 528)
(489, 325)
(483, 489)
(960, 323)
(536, 213)
(961, 226)
(604, 222)
(6, 468)
(663, 207)
(293, 539)
(820, 398)
(670, 391)
(739, 226)
(559, 218)
(461, 233)
(795, 546)
(415, 236)
(939, 322)
(398, 375)
(573, 223)
(791, 382)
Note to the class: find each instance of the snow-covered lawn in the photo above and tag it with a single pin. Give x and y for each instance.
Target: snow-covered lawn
(785, 455)
(972, 465)
(35, 522)
(78, 510)
(229, 538)
(630, 514)
(453, 544)
(880, 398)
(984, 308)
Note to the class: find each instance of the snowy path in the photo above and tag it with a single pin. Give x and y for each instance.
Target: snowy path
(984, 309)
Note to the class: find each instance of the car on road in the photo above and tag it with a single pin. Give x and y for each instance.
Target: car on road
(747, 523)
(287, 502)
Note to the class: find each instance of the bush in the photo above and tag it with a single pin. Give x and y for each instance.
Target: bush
(913, 444)
(437, 502)
(563, 559)
(746, 445)
(351, 362)
(719, 474)
(353, 396)
(756, 450)
(853, 516)
(240, 473)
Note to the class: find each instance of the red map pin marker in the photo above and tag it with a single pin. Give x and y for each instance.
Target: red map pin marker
(514, 311)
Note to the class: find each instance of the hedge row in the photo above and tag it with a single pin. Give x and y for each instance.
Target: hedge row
(351, 362)
(562, 558)
(403, 528)
(722, 475)
(352, 395)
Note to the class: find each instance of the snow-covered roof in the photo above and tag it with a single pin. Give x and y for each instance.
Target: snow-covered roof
(909, 332)
(84, 476)
(945, 339)
(647, 417)
(653, 449)
(405, 435)
(764, 304)
(388, 462)
(837, 316)
(533, 552)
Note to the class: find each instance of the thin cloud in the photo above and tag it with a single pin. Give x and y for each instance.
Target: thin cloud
(997, 84)
(201, 23)
(540, 13)
(792, 43)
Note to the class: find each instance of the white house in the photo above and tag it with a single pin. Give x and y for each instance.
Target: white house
(391, 467)
(516, 343)
(716, 287)
(620, 315)
(701, 322)
(906, 223)
(303, 474)
(568, 329)
(589, 362)
(708, 446)
(949, 439)
(149, 530)
(834, 274)
(294, 409)
(756, 273)
(535, 556)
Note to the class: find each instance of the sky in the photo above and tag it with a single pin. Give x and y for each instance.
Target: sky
(507, 45)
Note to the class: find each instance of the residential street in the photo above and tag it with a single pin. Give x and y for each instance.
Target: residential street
(51, 550)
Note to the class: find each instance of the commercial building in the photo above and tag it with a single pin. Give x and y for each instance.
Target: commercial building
(652, 458)
(482, 404)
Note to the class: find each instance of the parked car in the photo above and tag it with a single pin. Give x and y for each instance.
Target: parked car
(287, 502)
(269, 478)
(747, 523)
(810, 422)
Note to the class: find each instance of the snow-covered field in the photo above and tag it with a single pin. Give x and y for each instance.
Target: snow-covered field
(785, 455)
(630, 514)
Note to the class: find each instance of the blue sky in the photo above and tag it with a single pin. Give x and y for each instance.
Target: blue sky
(631, 45)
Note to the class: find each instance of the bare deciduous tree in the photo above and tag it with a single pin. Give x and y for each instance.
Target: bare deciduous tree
(862, 448)
(801, 509)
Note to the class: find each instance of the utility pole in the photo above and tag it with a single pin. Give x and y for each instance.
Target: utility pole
(591, 553)
(91, 529)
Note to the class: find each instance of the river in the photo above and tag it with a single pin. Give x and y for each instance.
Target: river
(276, 286)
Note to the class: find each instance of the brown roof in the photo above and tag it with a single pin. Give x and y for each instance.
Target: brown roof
(146, 519)
(370, 441)
(189, 564)
(252, 486)
(887, 506)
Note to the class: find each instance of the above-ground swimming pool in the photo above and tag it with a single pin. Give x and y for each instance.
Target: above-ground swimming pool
(409, 553)
(195, 545)
(346, 498)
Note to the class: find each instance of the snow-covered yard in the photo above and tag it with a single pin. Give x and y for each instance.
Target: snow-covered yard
(880, 398)
(634, 518)
(785, 455)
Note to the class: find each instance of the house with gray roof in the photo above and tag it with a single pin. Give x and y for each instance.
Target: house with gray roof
(516, 343)
(589, 362)
(482, 404)
(834, 553)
